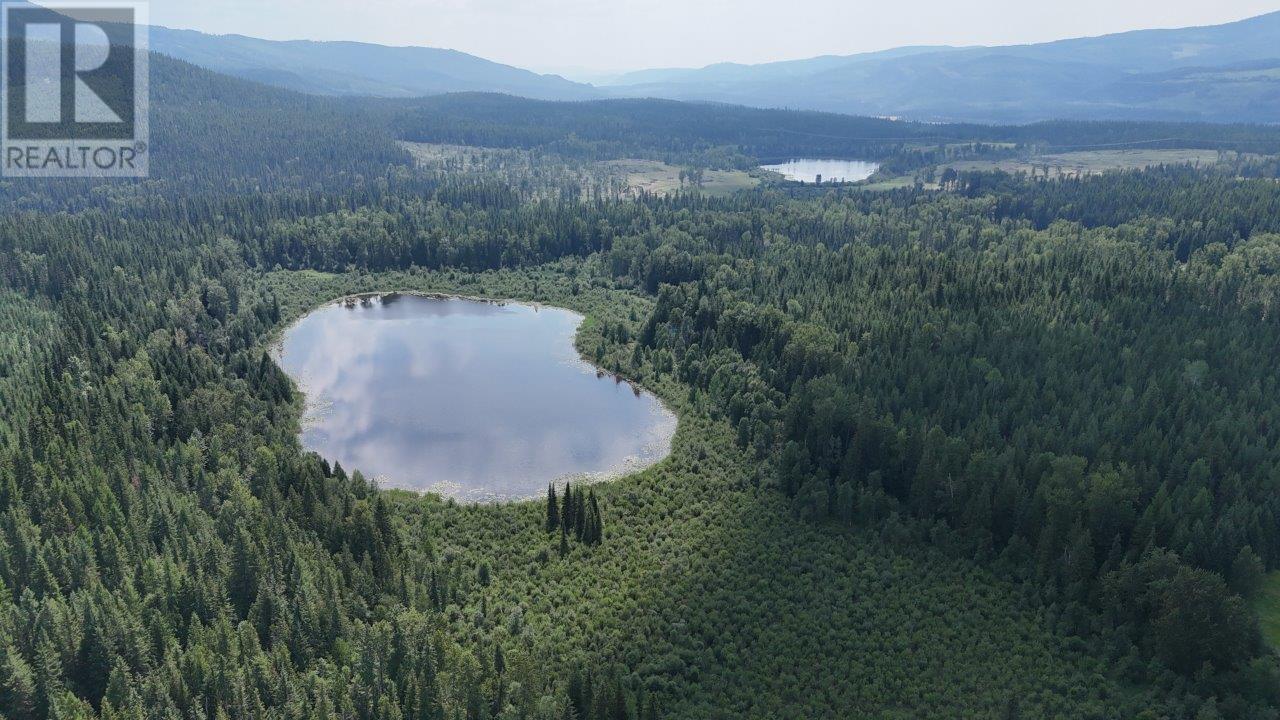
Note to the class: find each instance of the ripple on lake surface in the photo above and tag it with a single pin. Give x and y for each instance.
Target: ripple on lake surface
(474, 400)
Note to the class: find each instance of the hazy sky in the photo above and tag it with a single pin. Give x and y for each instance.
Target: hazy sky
(607, 35)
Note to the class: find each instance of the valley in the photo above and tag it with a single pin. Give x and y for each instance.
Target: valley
(315, 420)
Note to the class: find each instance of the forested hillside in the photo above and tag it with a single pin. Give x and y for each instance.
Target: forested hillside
(1002, 450)
(715, 134)
(354, 68)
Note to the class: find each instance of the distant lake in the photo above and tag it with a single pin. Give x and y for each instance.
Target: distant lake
(808, 170)
(473, 400)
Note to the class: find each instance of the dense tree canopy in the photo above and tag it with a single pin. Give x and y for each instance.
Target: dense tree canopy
(1006, 450)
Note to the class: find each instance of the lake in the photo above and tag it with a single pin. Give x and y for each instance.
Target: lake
(808, 170)
(473, 400)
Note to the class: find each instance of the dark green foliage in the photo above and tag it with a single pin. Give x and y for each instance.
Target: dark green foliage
(578, 516)
(1076, 397)
(1247, 573)
(553, 509)
(1184, 615)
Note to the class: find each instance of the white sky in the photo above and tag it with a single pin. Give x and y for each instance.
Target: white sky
(610, 35)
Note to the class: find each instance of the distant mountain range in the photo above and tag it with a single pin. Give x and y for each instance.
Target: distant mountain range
(1221, 73)
(352, 68)
(1225, 72)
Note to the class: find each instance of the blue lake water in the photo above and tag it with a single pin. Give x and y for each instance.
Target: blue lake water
(808, 170)
(474, 400)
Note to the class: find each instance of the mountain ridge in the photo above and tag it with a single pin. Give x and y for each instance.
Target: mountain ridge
(1217, 73)
(1271, 19)
(341, 67)
(1071, 78)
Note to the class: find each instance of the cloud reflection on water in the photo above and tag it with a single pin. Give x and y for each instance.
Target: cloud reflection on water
(474, 399)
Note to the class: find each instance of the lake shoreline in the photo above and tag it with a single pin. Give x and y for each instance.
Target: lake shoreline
(658, 440)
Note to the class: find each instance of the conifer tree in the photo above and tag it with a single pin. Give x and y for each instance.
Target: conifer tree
(595, 532)
(580, 517)
(568, 510)
(48, 676)
(17, 686)
(553, 509)
(242, 585)
(93, 661)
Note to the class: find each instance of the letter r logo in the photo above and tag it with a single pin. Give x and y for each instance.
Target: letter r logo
(74, 88)
(69, 71)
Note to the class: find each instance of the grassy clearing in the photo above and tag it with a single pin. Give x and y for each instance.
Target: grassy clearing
(1091, 162)
(893, 183)
(627, 177)
(1267, 605)
(660, 178)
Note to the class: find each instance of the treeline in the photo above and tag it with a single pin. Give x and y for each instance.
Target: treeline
(1070, 135)
(725, 135)
(683, 133)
